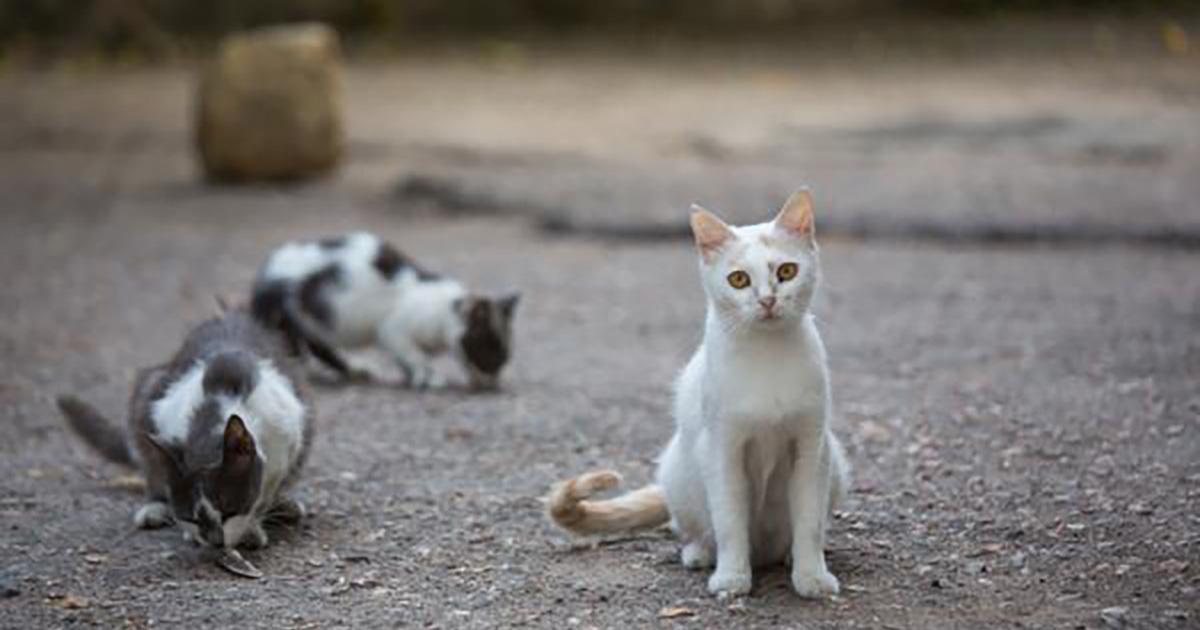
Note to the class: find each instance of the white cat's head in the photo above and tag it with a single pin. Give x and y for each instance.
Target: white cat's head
(760, 275)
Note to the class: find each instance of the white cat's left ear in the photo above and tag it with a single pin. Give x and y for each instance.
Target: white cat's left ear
(796, 216)
(710, 232)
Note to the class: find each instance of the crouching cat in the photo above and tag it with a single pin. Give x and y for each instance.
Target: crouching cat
(753, 470)
(220, 433)
(357, 290)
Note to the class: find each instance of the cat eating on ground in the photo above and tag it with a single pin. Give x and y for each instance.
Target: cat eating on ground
(220, 432)
(753, 470)
(357, 290)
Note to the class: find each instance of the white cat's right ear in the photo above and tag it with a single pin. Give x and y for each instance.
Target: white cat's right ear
(796, 216)
(710, 232)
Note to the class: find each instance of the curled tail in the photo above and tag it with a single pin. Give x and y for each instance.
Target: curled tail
(96, 430)
(571, 510)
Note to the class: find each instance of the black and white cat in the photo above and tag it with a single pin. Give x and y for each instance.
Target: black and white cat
(357, 290)
(220, 433)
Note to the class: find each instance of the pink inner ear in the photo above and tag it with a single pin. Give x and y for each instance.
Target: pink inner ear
(797, 214)
(710, 232)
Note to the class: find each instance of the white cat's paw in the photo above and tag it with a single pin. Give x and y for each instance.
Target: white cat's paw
(814, 583)
(152, 515)
(436, 380)
(696, 556)
(726, 584)
(422, 377)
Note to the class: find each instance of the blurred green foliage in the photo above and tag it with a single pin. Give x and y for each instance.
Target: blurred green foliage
(154, 26)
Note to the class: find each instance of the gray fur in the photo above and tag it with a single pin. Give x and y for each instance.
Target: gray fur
(208, 465)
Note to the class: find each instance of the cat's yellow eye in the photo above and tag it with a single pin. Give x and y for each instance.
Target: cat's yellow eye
(786, 272)
(738, 279)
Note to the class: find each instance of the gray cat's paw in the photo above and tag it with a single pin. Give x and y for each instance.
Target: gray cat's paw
(254, 538)
(287, 510)
(153, 515)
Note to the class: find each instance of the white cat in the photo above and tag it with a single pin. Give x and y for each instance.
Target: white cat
(753, 469)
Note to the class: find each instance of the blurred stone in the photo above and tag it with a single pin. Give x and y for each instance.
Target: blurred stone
(269, 107)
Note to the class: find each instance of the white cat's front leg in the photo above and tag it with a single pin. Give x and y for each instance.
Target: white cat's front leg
(808, 501)
(728, 491)
(417, 366)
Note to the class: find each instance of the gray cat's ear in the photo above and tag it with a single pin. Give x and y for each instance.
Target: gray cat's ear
(796, 216)
(508, 304)
(239, 444)
(710, 232)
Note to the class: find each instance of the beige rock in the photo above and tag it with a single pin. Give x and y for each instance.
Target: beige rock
(269, 107)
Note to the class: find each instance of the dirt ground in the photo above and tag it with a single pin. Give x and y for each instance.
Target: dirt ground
(1023, 418)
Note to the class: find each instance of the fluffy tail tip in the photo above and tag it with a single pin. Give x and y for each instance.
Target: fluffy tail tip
(564, 500)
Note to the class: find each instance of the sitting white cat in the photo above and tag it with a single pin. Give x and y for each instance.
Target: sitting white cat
(753, 471)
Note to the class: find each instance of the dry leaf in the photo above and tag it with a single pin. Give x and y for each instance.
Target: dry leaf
(70, 602)
(231, 560)
(132, 483)
(675, 612)
(94, 558)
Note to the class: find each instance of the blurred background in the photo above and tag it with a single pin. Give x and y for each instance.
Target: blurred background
(1059, 120)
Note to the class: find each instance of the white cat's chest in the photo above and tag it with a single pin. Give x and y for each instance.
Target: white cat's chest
(767, 384)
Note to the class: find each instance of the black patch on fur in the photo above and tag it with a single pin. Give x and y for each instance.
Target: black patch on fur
(389, 261)
(267, 303)
(482, 343)
(233, 373)
(312, 294)
(332, 242)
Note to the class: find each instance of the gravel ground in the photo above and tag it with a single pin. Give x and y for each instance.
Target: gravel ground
(1023, 420)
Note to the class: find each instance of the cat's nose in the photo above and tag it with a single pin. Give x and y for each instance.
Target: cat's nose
(767, 302)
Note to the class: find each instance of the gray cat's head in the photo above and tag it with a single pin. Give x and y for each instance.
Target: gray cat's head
(760, 275)
(486, 342)
(214, 480)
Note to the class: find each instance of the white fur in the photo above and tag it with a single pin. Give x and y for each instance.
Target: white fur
(753, 467)
(364, 297)
(274, 416)
(171, 415)
(422, 324)
(413, 319)
(272, 413)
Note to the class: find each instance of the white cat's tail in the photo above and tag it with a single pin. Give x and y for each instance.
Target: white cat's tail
(571, 510)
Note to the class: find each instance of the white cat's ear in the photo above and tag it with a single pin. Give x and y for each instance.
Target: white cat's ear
(710, 232)
(796, 216)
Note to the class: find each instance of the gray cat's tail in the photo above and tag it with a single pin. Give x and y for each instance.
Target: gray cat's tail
(571, 510)
(96, 430)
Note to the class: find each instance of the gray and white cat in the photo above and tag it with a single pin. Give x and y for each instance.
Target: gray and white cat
(753, 469)
(220, 433)
(358, 290)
